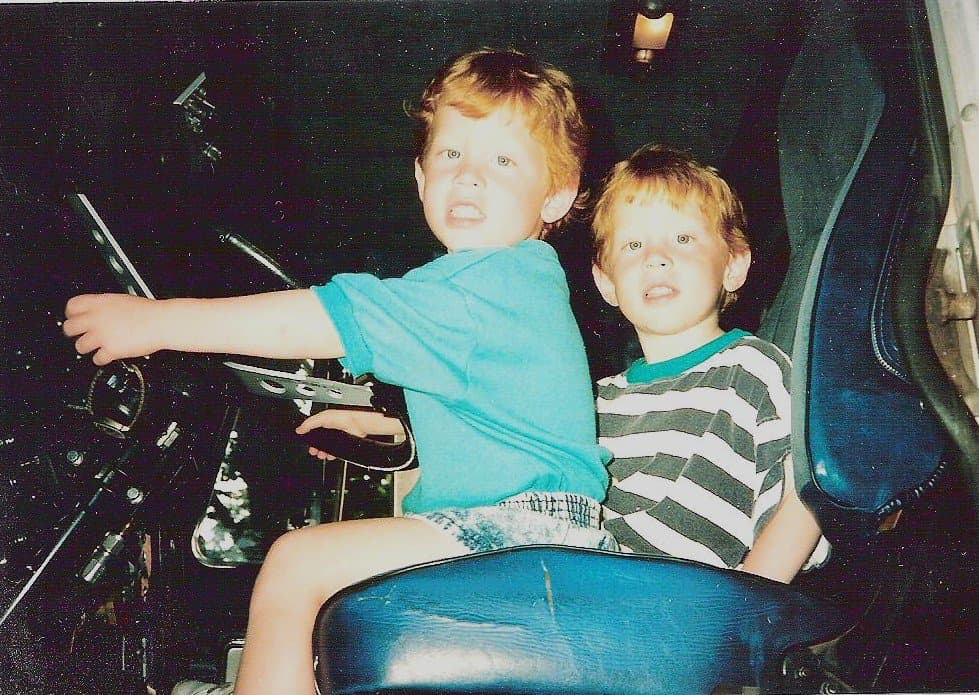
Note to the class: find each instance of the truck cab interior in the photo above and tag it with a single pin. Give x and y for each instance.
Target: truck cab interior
(232, 148)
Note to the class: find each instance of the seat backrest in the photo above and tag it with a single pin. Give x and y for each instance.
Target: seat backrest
(863, 444)
(829, 109)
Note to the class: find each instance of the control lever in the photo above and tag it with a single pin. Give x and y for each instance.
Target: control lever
(364, 452)
(259, 256)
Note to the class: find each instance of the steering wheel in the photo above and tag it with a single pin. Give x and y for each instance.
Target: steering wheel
(119, 386)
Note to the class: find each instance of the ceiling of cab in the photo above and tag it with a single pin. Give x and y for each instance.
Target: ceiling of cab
(332, 77)
(358, 61)
(316, 162)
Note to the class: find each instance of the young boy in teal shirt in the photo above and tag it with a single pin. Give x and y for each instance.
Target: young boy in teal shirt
(482, 340)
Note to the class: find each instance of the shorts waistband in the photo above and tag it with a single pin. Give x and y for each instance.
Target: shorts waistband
(576, 509)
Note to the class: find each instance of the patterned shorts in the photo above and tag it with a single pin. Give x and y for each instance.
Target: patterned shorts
(530, 518)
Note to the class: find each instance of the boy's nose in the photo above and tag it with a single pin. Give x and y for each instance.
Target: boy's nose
(467, 175)
(657, 258)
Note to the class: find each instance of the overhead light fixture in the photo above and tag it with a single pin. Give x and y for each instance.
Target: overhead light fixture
(638, 38)
(654, 20)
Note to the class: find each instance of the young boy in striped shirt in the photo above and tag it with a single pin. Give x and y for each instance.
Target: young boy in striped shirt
(699, 426)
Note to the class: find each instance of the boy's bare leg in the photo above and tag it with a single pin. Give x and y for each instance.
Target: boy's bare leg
(304, 568)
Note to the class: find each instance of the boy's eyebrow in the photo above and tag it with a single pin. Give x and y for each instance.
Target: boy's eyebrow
(438, 144)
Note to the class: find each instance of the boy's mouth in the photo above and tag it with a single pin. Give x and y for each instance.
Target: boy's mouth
(659, 292)
(465, 211)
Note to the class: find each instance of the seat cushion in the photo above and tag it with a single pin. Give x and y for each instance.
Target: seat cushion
(547, 619)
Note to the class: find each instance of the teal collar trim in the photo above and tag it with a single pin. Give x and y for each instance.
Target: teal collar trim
(641, 371)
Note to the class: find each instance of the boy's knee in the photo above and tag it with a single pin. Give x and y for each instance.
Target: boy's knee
(290, 552)
(292, 567)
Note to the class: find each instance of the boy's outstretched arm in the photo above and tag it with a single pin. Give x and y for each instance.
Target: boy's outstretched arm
(788, 538)
(285, 325)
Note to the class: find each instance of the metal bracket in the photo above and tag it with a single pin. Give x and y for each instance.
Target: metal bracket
(197, 111)
(812, 670)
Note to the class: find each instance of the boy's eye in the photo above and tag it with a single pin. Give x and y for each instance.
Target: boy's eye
(503, 160)
(633, 245)
(683, 238)
(452, 154)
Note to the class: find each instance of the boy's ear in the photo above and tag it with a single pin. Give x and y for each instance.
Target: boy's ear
(737, 270)
(605, 286)
(420, 178)
(557, 204)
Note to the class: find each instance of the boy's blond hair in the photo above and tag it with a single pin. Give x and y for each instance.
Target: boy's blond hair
(482, 81)
(659, 171)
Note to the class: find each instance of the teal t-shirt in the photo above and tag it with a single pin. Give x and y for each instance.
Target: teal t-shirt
(491, 359)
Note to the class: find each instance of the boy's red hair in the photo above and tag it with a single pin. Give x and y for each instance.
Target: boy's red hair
(482, 81)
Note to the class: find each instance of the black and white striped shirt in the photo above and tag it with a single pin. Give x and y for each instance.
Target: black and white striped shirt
(698, 444)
